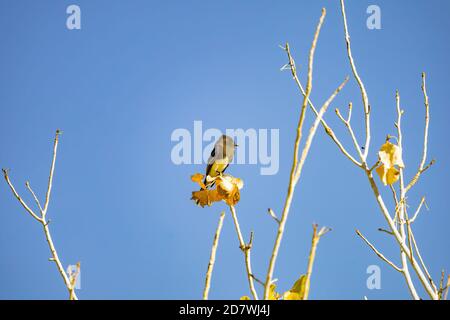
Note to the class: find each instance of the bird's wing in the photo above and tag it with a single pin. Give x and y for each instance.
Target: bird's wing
(210, 163)
(225, 168)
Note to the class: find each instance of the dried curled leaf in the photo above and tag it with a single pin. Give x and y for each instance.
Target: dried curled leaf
(198, 177)
(299, 290)
(390, 156)
(227, 189)
(206, 197)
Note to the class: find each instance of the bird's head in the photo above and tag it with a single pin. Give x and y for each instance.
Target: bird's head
(228, 141)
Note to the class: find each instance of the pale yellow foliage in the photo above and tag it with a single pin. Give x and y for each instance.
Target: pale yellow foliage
(390, 157)
(299, 290)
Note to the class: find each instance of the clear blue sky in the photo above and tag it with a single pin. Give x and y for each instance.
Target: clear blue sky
(136, 71)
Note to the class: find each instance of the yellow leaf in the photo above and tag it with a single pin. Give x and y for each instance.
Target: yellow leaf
(206, 197)
(388, 175)
(245, 298)
(289, 295)
(227, 189)
(299, 290)
(237, 182)
(273, 295)
(390, 155)
(198, 177)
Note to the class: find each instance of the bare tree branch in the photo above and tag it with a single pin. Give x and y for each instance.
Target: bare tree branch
(212, 258)
(52, 170)
(313, 129)
(365, 98)
(326, 127)
(246, 250)
(42, 218)
(36, 200)
(401, 209)
(26, 207)
(312, 255)
(425, 137)
(378, 253)
(350, 129)
(386, 231)
(447, 287)
(384, 210)
(273, 215)
(414, 217)
(416, 248)
(295, 170)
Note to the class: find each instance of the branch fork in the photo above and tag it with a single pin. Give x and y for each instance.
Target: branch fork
(41, 217)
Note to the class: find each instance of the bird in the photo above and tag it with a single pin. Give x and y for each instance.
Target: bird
(221, 156)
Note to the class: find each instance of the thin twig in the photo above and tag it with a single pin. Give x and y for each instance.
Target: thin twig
(425, 136)
(273, 215)
(298, 171)
(36, 200)
(394, 194)
(396, 202)
(374, 166)
(50, 176)
(212, 258)
(416, 248)
(422, 201)
(348, 124)
(313, 129)
(246, 250)
(326, 127)
(386, 231)
(364, 96)
(312, 255)
(378, 253)
(258, 280)
(26, 207)
(401, 209)
(292, 178)
(441, 281)
(448, 286)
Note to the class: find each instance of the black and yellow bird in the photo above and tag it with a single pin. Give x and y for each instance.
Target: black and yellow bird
(221, 156)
